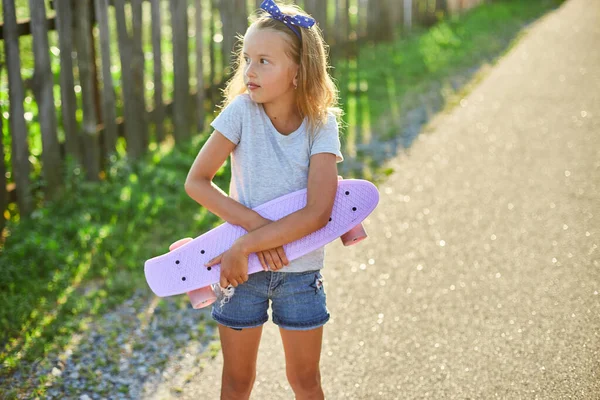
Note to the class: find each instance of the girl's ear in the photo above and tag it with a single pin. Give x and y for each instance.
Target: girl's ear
(295, 80)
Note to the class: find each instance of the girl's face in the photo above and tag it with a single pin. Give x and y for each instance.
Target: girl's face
(268, 71)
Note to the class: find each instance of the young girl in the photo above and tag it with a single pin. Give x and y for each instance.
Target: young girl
(279, 123)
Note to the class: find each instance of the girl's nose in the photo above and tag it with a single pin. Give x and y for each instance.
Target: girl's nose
(250, 70)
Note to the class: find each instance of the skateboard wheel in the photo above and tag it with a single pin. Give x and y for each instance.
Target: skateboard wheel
(202, 297)
(179, 243)
(354, 235)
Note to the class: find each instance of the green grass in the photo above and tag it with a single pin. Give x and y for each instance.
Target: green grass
(82, 255)
(386, 80)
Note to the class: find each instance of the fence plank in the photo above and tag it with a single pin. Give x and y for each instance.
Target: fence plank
(379, 24)
(318, 9)
(133, 127)
(442, 5)
(234, 16)
(341, 7)
(225, 13)
(211, 52)
(408, 14)
(137, 73)
(395, 13)
(3, 189)
(199, 67)
(64, 17)
(181, 70)
(109, 115)
(159, 109)
(17, 127)
(52, 166)
(361, 17)
(24, 27)
(85, 59)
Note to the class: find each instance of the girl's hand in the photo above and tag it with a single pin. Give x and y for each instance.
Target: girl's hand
(274, 258)
(234, 267)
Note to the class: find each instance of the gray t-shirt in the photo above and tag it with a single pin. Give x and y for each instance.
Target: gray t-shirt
(266, 164)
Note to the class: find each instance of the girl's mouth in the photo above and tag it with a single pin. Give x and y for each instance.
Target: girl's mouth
(252, 86)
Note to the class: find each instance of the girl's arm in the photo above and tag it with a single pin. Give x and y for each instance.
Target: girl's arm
(200, 187)
(322, 187)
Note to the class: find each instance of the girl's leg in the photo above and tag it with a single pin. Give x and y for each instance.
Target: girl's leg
(302, 356)
(240, 349)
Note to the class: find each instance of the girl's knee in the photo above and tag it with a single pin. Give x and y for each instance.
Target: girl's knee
(307, 381)
(238, 385)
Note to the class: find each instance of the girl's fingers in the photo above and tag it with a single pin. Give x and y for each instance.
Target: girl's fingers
(261, 258)
(276, 258)
(282, 256)
(269, 259)
(223, 282)
(214, 261)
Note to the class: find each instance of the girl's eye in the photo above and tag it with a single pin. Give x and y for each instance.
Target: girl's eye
(262, 60)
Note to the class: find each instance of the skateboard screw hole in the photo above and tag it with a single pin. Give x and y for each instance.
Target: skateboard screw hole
(209, 268)
(347, 193)
(330, 219)
(353, 208)
(177, 262)
(183, 279)
(201, 251)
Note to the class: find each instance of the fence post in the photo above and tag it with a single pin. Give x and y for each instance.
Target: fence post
(341, 22)
(64, 27)
(132, 125)
(109, 134)
(17, 127)
(86, 78)
(3, 189)
(44, 93)
(137, 73)
(379, 24)
(159, 108)
(181, 71)
(408, 13)
(234, 19)
(199, 68)
(211, 51)
(318, 9)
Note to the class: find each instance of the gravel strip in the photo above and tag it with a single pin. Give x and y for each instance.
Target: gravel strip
(130, 352)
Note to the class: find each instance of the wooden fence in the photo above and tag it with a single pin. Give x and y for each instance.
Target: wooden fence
(95, 110)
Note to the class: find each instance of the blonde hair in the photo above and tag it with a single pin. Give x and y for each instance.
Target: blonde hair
(316, 94)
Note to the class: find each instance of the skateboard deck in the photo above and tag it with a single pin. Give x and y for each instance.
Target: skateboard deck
(182, 270)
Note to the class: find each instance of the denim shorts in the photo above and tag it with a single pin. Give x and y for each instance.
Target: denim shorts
(298, 301)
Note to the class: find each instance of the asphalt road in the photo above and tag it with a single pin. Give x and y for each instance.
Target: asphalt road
(481, 275)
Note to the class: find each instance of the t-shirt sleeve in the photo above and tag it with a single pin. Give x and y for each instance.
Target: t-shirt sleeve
(229, 120)
(327, 140)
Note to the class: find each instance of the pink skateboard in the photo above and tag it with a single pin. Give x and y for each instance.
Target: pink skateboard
(182, 270)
